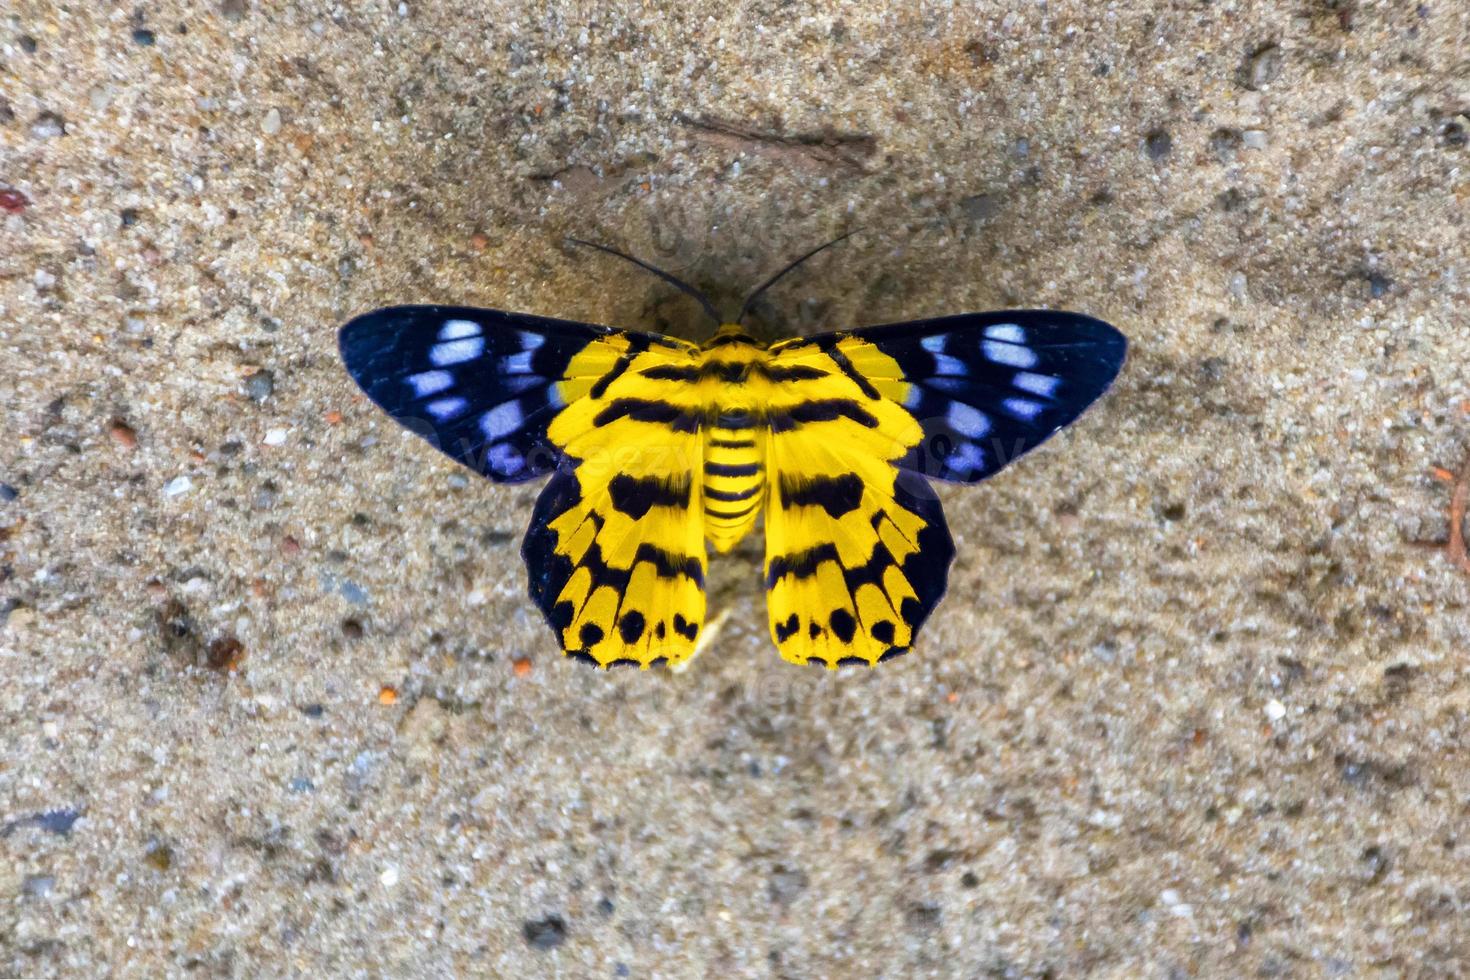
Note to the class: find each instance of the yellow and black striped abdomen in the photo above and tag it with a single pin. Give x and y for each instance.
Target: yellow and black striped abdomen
(734, 476)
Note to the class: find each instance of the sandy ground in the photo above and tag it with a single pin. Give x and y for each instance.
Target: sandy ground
(1197, 703)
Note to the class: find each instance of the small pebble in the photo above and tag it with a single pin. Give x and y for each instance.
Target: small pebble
(275, 437)
(354, 593)
(1275, 710)
(232, 10)
(302, 785)
(178, 485)
(1261, 67)
(1158, 145)
(271, 124)
(547, 933)
(38, 886)
(129, 217)
(389, 877)
(143, 36)
(1254, 139)
(123, 434)
(259, 385)
(8, 493)
(48, 125)
(27, 43)
(13, 201)
(224, 654)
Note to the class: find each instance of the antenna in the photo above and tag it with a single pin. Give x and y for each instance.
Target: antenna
(745, 307)
(709, 308)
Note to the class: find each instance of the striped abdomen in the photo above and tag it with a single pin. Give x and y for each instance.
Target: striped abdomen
(734, 477)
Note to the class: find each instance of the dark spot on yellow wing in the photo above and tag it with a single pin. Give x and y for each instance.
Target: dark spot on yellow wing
(685, 628)
(636, 346)
(817, 662)
(591, 634)
(643, 410)
(582, 656)
(630, 627)
(801, 564)
(658, 661)
(911, 610)
(635, 496)
(784, 631)
(882, 631)
(815, 629)
(837, 495)
(853, 662)
(623, 662)
(893, 654)
(820, 410)
(841, 360)
(666, 564)
(562, 615)
(796, 372)
(671, 372)
(843, 625)
(659, 630)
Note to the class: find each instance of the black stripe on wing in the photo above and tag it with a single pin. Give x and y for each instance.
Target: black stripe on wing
(989, 387)
(479, 385)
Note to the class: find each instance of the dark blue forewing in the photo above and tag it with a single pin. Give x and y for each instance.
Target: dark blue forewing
(480, 385)
(988, 387)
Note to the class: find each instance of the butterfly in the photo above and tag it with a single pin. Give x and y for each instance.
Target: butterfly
(659, 450)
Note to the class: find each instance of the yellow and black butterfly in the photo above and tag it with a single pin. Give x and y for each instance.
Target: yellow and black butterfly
(658, 447)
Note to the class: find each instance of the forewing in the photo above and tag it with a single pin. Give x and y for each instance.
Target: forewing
(857, 551)
(481, 385)
(985, 388)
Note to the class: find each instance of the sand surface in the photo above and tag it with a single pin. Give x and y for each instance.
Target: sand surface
(1197, 703)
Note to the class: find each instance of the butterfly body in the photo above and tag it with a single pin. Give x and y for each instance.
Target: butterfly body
(660, 450)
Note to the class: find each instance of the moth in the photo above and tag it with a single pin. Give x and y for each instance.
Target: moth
(660, 450)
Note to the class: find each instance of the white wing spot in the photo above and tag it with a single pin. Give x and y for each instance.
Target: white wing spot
(530, 341)
(1038, 384)
(517, 363)
(427, 383)
(504, 460)
(1023, 408)
(458, 329)
(968, 420)
(944, 364)
(445, 409)
(1009, 354)
(1009, 332)
(934, 343)
(456, 351)
(502, 420)
(967, 457)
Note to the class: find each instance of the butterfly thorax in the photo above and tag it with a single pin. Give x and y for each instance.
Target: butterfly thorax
(733, 388)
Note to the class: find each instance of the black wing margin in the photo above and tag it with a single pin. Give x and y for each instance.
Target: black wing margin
(989, 387)
(479, 385)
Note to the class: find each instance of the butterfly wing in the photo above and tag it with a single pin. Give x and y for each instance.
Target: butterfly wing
(615, 552)
(857, 551)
